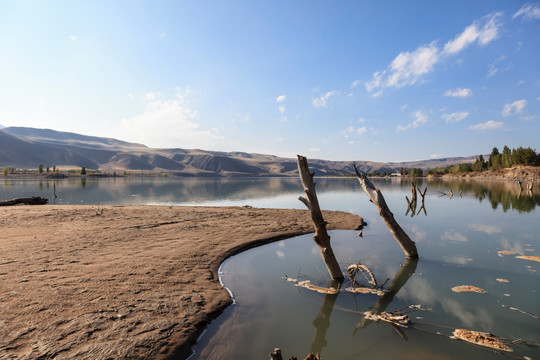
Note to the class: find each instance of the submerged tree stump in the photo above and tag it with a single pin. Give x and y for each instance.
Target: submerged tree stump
(375, 196)
(321, 238)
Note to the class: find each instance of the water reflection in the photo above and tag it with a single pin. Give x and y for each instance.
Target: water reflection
(322, 321)
(507, 194)
(255, 191)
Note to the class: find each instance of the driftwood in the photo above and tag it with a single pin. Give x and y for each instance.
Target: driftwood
(375, 196)
(276, 355)
(321, 238)
(34, 200)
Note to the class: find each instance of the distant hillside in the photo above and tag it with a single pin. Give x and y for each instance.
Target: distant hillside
(28, 147)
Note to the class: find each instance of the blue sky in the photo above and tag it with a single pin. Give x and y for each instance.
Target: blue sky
(335, 80)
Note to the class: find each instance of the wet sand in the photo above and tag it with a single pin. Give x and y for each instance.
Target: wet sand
(119, 282)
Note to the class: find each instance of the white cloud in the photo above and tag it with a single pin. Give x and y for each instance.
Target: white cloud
(528, 11)
(454, 236)
(169, 123)
(409, 67)
(455, 116)
(458, 92)
(420, 119)
(361, 120)
(351, 130)
(131, 96)
(163, 35)
(404, 107)
(355, 84)
(493, 69)
(281, 109)
(514, 108)
(313, 149)
(488, 125)
(280, 98)
(475, 32)
(72, 37)
(488, 229)
(321, 100)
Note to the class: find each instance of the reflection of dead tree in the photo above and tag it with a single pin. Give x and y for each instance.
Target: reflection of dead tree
(321, 238)
(400, 279)
(412, 204)
(449, 193)
(322, 322)
(376, 197)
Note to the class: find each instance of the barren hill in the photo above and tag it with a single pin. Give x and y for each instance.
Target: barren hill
(28, 147)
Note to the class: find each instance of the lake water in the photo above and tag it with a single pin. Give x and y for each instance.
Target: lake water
(459, 236)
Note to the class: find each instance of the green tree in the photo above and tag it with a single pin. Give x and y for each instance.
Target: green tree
(479, 164)
(494, 161)
(40, 168)
(6, 170)
(83, 171)
(523, 156)
(506, 158)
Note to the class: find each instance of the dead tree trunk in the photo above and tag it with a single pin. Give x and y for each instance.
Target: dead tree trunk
(321, 238)
(34, 200)
(376, 197)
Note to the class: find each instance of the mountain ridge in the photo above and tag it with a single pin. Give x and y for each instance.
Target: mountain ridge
(24, 147)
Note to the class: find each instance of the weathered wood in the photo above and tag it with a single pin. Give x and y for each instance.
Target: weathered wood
(321, 238)
(34, 200)
(276, 354)
(375, 196)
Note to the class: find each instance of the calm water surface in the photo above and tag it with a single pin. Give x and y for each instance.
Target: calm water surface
(458, 238)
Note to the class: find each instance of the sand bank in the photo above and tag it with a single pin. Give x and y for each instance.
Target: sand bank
(137, 282)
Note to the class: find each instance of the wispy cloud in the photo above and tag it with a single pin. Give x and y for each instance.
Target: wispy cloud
(420, 119)
(321, 100)
(482, 31)
(351, 130)
(488, 229)
(169, 122)
(410, 67)
(493, 68)
(454, 236)
(458, 92)
(355, 84)
(280, 98)
(72, 37)
(528, 11)
(514, 108)
(488, 125)
(281, 109)
(455, 116)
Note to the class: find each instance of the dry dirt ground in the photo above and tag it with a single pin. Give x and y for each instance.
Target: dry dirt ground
(118, 282)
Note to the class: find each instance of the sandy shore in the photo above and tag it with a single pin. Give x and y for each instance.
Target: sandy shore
(137, 282)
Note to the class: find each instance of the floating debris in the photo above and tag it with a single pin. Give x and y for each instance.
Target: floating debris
(364, 290)
(521, 311)
(468, 288)
(503, 280)
(481, 338)
(394, 317)
(505, 252)
(507, 295)
(308, 285)
(527, 257)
